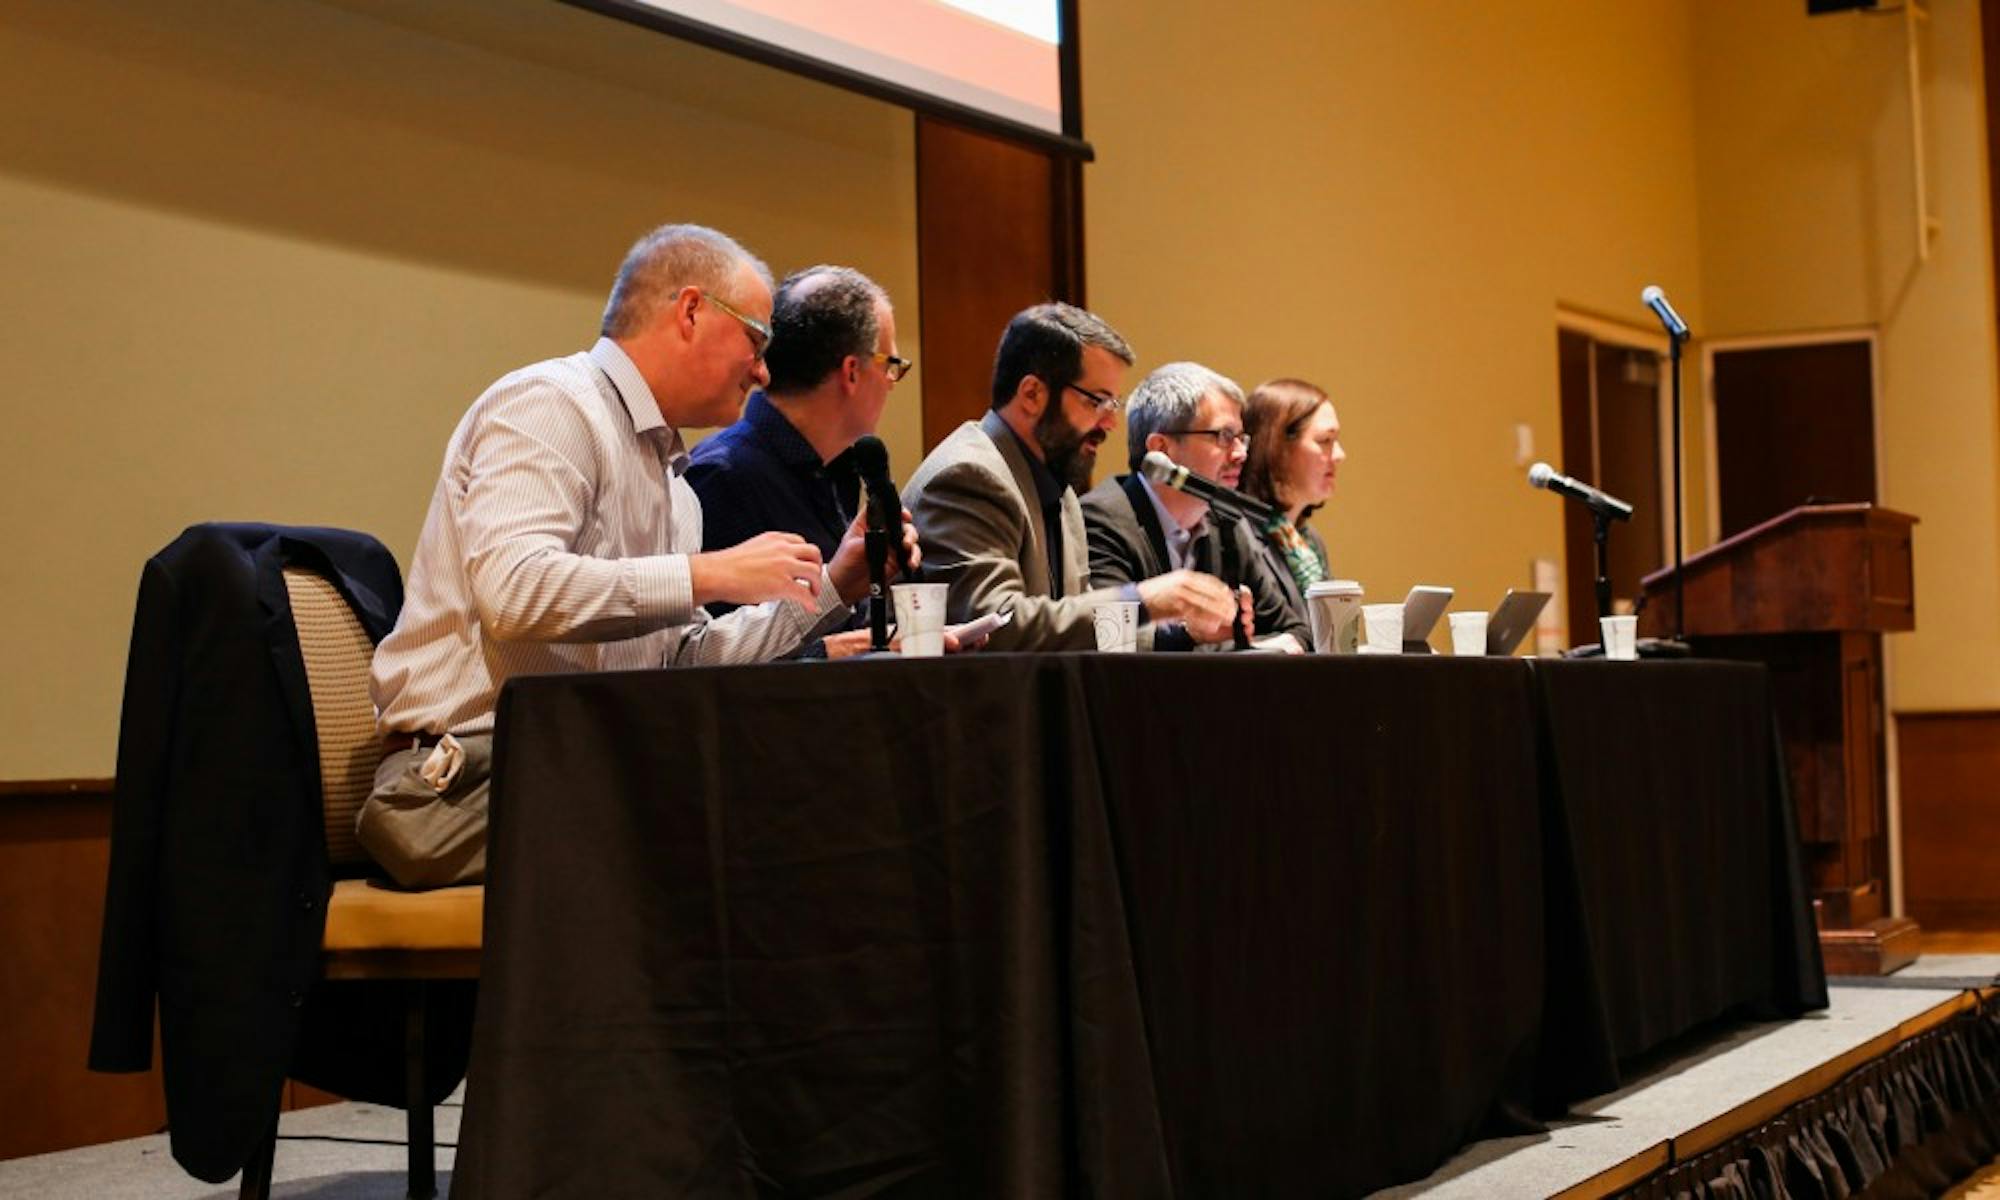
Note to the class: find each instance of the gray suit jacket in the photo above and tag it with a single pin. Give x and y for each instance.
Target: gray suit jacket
(1127, 544)
(973, 501)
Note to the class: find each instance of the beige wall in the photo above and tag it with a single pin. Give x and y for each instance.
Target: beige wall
(1808, 222)
(260, 254)
(1392, 200)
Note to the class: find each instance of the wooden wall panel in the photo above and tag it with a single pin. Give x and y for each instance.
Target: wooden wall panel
(998, 229)
(55, 847)
(1989, 35)
(1948, 771)
(54, 850)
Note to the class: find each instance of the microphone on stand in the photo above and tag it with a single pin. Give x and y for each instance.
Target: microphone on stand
(1225, 500)
(1168, 473)
(1656, 300)
(885, 534)
(1677, 333)
(1604, 509)
(885, 506)
(1542, 475)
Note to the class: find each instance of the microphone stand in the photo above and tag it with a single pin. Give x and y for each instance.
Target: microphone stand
(1232, 575)
(1232, 563)
(1601, 520)
(875, 548)
(1675, 341)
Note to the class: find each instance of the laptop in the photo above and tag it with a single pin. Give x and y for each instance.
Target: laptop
(1421, 610)
(1511, 620)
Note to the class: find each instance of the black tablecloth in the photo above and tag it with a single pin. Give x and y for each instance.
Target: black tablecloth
(1334, 881)
(809, 928)
(1665, 781)
(1112, 925)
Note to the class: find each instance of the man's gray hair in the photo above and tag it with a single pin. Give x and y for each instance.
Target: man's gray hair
(1167, 399)
(666, 260)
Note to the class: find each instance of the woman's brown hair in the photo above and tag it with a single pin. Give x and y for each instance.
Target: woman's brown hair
(1273, 415)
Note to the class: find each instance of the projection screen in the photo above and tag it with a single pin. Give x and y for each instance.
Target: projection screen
(995, 63)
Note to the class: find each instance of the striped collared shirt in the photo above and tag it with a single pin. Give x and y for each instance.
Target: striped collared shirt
(557, 541)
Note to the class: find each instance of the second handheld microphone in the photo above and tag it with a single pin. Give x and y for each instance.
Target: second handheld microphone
(885, 507)
(1165, 471)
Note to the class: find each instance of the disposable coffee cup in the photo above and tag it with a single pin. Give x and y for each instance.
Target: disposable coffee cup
(1384, 625)
(1621, 637)
(920, 618)
(1333, 606)
(1116, 623)
(1468, 633)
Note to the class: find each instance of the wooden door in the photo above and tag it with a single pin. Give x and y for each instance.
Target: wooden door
(1612, 440)
(1793, 425)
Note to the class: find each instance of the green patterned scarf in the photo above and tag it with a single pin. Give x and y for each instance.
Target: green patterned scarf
(1304, 562)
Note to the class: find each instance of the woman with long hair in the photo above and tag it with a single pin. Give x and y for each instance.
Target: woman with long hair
(1295, 454)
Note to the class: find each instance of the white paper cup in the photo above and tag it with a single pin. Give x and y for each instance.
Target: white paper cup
(1116, 623)
(1384, 623)
(1621, 637)
(1468, 634)
(920, 618)
(1333, 606)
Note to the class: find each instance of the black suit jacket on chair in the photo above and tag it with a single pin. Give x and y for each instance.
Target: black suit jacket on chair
(1128, 545)
(216, 901)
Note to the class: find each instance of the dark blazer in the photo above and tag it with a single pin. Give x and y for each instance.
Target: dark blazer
(216, 901)
(1127, 545)
(1274, 562)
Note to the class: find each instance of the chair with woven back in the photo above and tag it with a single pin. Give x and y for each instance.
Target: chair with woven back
(241, 935)
(373, 932)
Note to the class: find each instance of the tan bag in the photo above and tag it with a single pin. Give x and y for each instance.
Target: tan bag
(425, 822)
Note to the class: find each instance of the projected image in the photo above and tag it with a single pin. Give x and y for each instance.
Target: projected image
(1037, 20)
(997, 56)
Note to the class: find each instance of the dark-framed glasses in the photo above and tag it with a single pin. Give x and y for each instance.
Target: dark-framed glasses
(1099, 401)
(892, 366)
(1225, 437)
(760, 333)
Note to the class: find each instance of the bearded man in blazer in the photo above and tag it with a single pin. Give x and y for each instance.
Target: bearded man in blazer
(1138, 530)
(995, 504)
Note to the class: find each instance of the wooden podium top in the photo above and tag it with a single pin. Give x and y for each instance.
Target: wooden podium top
(1817, 568)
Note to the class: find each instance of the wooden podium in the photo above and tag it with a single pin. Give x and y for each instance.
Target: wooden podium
(1810, 593)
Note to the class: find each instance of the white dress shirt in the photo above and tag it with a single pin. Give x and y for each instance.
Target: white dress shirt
(557, 541)
(1179, 541)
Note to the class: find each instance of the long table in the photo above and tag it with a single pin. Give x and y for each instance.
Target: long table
(1106, 924)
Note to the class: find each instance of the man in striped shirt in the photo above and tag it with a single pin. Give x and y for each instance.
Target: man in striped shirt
(561, 538)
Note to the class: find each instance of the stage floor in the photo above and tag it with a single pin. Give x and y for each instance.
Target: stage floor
(1614, 1140)
(355, 1151)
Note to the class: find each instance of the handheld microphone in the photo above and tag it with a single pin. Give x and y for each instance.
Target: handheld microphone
(885, 507)
(1656, 300)
(1165, 471)
(1542, 475)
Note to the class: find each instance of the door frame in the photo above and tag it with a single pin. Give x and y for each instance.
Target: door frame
(1611, 332)
(1778, 341)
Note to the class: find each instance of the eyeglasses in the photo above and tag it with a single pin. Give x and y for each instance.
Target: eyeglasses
(895, 368)
(1099, 401)
(760, 333)
(1225, 438)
